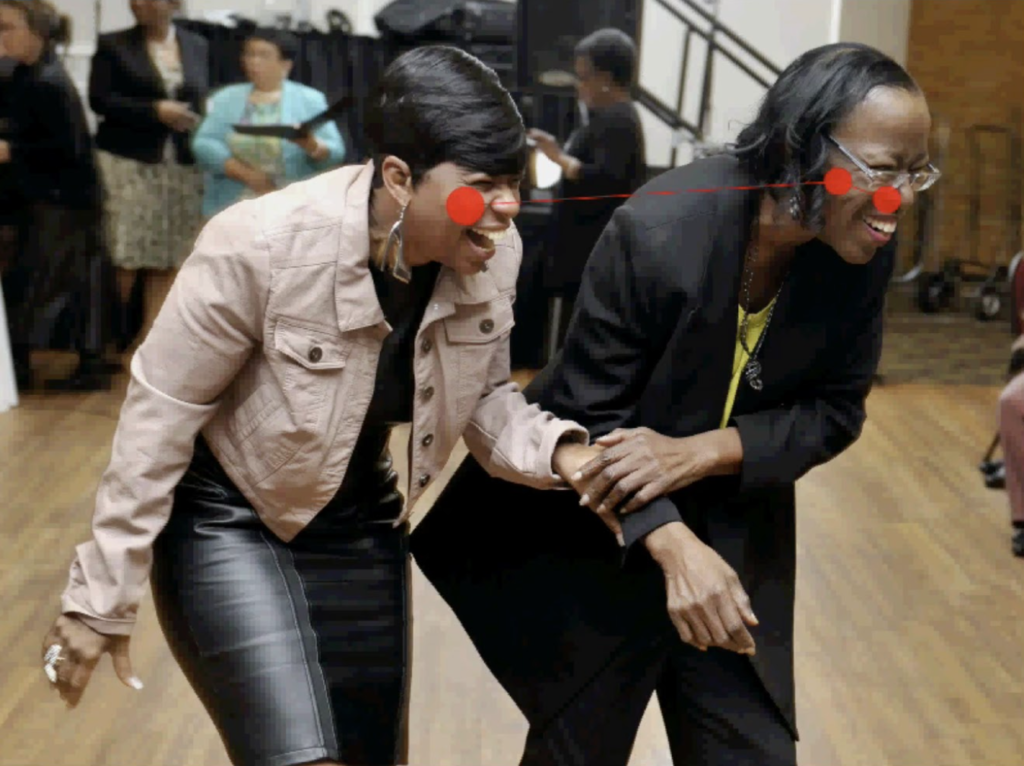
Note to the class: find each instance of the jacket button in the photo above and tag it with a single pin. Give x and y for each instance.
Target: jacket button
(427, 440)
(428, 393)
(316, 354)
(486, 326)
(426, 345)
(424, 480)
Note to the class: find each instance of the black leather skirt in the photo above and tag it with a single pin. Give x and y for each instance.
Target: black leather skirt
(299, 651)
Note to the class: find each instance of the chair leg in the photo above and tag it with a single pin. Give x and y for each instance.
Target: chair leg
(554, 327)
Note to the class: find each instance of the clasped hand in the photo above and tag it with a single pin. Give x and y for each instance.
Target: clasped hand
(706, 601)
(639, 465)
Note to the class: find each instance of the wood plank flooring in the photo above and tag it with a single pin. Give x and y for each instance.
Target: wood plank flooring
(910, 616)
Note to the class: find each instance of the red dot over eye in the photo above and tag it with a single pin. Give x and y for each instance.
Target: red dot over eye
(465, 206)
(838, 181)
(887, 199)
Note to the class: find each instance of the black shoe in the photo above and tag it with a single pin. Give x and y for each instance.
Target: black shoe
(91, 375)
(996, 479)
(23, 377)
(1018, 543)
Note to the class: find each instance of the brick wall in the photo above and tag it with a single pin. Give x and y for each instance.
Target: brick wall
(968, 56)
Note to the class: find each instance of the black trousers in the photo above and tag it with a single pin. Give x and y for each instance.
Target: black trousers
(715, 709)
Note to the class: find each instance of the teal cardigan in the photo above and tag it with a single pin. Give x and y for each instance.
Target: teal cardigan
(224, 108)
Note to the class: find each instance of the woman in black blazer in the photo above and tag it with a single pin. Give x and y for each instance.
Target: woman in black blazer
(724, 343)
(605, 157)
(56, 284)
(148, 86)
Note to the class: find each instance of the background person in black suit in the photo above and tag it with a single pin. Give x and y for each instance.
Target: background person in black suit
(59, 274)
(677, 290)
(605, 156)
(148, 85)
(8, 197)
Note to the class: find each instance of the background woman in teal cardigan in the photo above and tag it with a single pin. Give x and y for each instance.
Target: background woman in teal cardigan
(241, 166)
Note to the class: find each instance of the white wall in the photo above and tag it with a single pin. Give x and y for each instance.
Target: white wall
(779, 29)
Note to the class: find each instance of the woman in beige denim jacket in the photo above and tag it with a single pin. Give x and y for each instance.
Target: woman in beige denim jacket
(250, 479)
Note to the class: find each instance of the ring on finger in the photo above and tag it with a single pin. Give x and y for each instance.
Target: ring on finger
(54, 656)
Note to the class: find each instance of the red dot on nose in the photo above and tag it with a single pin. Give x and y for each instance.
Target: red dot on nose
(887, 199)
(465, 206)
(838, 181)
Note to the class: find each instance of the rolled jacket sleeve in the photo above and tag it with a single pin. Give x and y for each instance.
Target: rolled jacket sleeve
(511, 438)
(207, 329)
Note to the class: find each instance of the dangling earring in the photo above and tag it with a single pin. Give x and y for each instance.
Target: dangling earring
(398, 268)
(794, 207)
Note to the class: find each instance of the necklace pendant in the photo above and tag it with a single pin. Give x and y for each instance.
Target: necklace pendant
(753, 375)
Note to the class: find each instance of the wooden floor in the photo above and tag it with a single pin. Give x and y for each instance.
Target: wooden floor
(910, 613)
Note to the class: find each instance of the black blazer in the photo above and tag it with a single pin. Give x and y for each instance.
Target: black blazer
(52, 157)
(9, 198)
(540, 586)
(124, 86)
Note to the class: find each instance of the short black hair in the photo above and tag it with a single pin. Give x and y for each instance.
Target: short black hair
(611, 51)
(439, 104)
(787, 141)
(286, 43)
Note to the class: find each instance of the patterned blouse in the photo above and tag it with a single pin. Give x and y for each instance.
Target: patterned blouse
(262, 152)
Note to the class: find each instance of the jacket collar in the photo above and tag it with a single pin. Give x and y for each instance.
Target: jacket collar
(355, 295)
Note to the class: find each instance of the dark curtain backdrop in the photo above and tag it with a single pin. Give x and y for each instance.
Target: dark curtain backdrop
(342, 65)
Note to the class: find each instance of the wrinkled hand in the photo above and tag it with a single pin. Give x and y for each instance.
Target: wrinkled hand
(567, 461)
(82, 647)
(260, 182)
(547, 143)
(638, 466)
(176, 115)
(706, 601)
(309, 144)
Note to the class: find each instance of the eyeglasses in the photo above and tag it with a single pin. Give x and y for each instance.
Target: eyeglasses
(919, 180)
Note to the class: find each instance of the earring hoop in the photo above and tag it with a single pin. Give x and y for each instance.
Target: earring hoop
(398, 268)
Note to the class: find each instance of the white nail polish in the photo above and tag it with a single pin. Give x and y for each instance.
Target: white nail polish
(135, 682)
(584, 500)
(577, 476)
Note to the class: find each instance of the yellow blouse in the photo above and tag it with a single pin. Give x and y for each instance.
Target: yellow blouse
(754, 329)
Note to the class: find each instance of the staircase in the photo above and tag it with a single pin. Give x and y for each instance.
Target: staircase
(703, 43)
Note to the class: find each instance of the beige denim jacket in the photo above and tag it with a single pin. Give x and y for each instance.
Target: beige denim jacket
(268, 345)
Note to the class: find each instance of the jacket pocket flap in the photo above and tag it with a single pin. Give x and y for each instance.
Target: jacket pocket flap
(484, 323)
(313, 349)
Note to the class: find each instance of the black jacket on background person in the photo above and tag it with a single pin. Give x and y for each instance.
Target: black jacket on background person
(541, 587)
(57, 286)
(611, 149)
(124, 86)
(52, 157)
(8, 198)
